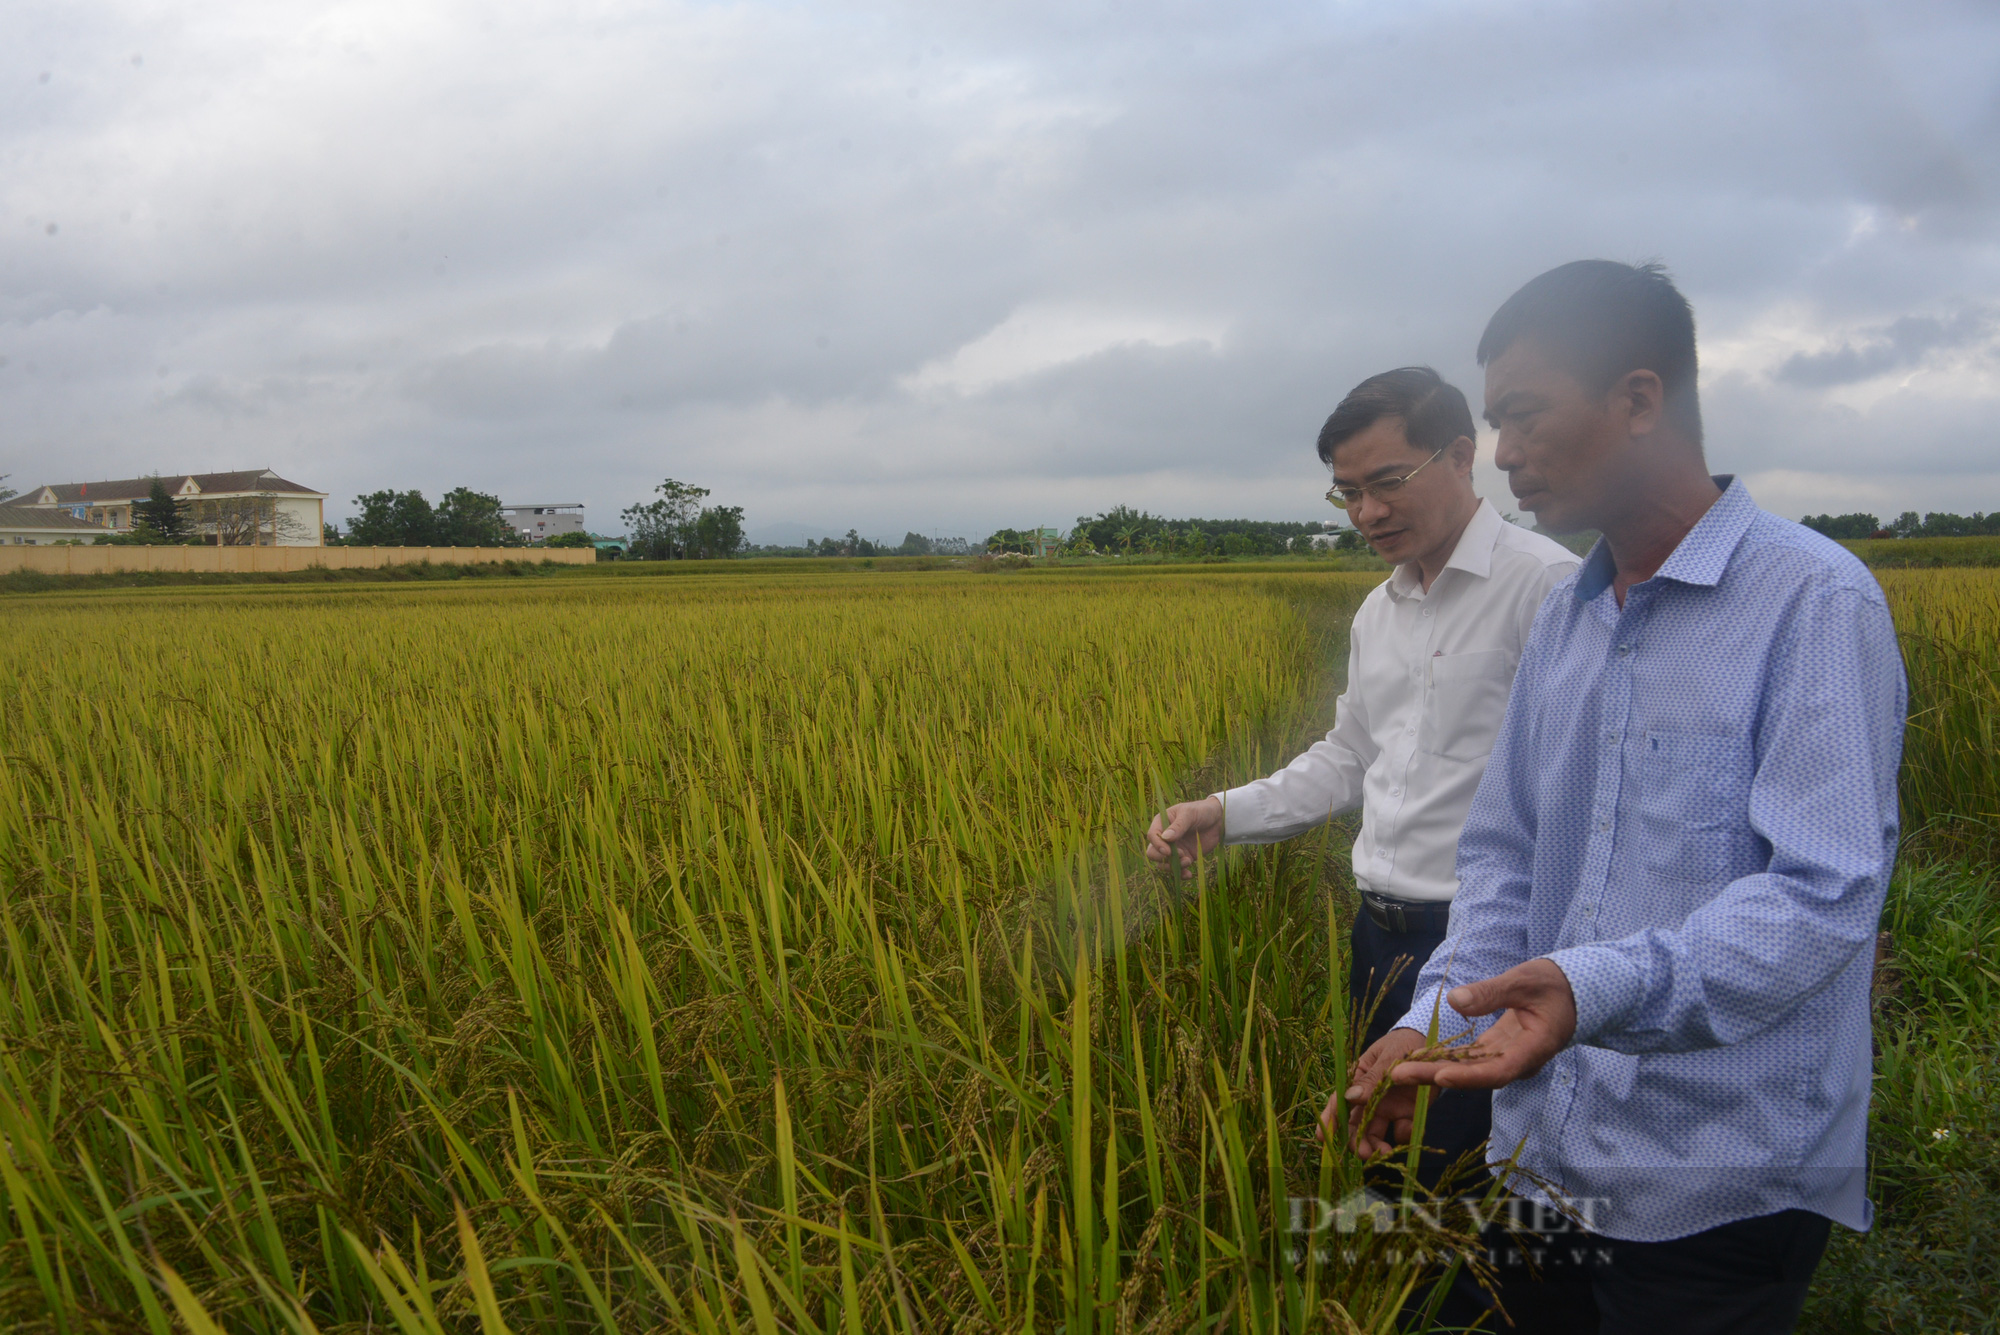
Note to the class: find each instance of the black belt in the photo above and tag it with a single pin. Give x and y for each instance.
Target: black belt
(1407, 915)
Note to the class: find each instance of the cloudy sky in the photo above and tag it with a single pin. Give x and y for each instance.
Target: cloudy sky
(948, 267)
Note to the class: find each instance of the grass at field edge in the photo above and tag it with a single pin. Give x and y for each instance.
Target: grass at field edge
(1932, 1260)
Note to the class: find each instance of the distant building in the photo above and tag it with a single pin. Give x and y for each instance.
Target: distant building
(539, 523)
(29, 526)
(244, 509)
(1334, 536)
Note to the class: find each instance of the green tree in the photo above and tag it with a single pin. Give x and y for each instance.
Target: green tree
(1843, 526)
(852, 545)
(393, 519)
(718, 531)
(914, 544)
(1124, 529)
(1942, 524)
(163, 516)
(468, 518)
(1116, 529)
(574, 538)
(664, 530)
(6, 493)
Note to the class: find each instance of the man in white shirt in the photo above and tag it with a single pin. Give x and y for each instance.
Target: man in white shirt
(1431, 659)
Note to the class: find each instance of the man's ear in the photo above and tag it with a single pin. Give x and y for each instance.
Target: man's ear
(1644, 400)
(1461, 452)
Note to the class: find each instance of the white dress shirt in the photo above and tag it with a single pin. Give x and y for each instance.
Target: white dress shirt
(1428, 672)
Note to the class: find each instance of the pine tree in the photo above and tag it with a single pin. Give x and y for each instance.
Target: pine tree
(161, 513)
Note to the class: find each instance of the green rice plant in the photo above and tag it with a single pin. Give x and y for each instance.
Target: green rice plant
(1926, 553)
(712, 954)
(1934, 1121)
(1934, 1133)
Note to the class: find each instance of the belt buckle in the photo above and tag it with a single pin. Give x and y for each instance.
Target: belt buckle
(1387, 913)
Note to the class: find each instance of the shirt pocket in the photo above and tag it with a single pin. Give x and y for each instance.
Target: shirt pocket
(1465, 703)
(1691, 804)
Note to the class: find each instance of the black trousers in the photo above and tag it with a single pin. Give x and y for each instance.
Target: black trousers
(1459, 1119)
(1748, 1277)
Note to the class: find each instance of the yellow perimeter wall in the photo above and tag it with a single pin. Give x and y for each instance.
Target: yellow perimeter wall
(103, 560)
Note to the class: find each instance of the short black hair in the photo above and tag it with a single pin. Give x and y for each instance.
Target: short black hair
(1434, 414)
(1601, 320)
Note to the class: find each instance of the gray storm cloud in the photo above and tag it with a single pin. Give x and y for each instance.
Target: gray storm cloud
(952, 267)
(1906, 342)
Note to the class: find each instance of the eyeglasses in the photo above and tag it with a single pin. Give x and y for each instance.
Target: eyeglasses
(1382, 488)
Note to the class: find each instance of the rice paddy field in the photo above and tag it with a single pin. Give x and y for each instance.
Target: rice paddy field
(1932, 1261)
(765, 952)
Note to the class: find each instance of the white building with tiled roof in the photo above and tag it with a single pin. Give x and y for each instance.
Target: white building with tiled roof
(242, 509)
(29, 526)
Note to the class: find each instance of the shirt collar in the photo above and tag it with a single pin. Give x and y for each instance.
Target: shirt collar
(1473, 554)
(1702, 555)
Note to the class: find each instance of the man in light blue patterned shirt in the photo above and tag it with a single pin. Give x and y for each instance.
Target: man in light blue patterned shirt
(1671, 875)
